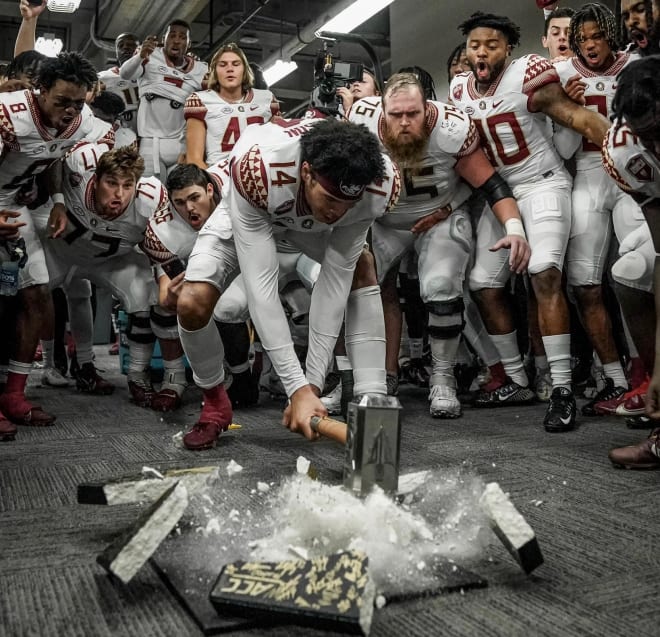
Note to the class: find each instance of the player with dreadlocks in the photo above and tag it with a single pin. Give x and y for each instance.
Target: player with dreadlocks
(640, 25)
(508, 99)
(597, 205)
(457, 62)
(631, 155)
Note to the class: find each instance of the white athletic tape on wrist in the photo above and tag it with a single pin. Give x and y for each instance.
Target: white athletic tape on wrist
(515, 226)
(58, 197)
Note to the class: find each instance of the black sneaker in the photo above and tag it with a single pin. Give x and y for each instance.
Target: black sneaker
(609, 392)
(88, 381)
(508, 394)
(561, 411)
(640, 422)
(415, 372)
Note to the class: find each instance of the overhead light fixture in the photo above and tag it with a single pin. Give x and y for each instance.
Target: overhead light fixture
(48, 45)
(354, 15)
(278, 71)
(249, 39)
(63, 6)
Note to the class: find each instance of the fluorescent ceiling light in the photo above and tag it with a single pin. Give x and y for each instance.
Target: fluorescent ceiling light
(49, 45)
(63, 6)
(354, 15)
(279, 70)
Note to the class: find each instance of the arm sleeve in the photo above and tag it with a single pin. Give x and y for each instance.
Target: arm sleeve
(132, 68)
(257, 257)
(329, 296)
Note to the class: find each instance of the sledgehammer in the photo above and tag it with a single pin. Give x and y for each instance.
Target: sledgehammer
(330, 428)
(371, 438)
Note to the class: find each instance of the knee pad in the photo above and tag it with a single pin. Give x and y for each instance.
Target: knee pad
(163, 323)
(138, 328)
(445, 318)
(634, 271)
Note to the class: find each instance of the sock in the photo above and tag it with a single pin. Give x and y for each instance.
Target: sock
(615, 372)
(17, 376)
(507, 346)
(82, 328)
(48, 352)
(558, 351)
(541, 362)
(205, 353)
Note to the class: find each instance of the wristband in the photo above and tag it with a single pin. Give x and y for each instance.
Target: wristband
(58, 197)
(515, 226)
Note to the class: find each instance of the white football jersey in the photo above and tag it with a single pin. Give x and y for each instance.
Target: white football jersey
(265, 171)
(634, 168)
(163, 92)
(28, 146)
(598, 95)
(95, 237)
(451, 136)
(168, 235)
(517, 141)
(224, 121)
(127, 90)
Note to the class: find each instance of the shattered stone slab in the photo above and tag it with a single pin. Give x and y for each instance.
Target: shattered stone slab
(511, 528)
(126, 555)
(145, 486)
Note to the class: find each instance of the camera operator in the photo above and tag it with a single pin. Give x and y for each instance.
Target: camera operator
(356, 90)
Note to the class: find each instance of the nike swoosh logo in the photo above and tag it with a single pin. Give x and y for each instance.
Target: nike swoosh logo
(567, 420)
(496, 104)
(503, 397)
(254, 108)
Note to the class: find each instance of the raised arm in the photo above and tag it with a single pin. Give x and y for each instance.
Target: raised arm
(552, 100)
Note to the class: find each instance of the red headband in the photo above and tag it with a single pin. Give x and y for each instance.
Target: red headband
(342, 190)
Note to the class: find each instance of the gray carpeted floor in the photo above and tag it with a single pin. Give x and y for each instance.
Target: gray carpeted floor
(598, 527)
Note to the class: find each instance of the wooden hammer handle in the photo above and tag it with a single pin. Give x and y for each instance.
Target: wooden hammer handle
(330, 428)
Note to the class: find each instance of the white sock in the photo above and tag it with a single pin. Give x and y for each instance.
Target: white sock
(616, 373)
(558, 351)
(205, 353)
(507, 346)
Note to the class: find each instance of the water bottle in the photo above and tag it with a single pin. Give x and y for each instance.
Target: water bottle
(9, 278)
(16, 259)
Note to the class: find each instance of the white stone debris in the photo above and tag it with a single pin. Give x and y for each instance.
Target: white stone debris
(302, 465)
(150, 472)
(177, 439)
(233, 468)
(263, 487)
(212, 526)
(380, 601)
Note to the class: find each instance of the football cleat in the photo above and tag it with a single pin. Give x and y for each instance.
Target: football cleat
(561, 412)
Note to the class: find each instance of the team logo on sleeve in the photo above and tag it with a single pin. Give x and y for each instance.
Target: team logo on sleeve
(639, 167)
(75, 179)
(458, 91)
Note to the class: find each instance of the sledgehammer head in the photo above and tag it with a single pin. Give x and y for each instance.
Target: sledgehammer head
(372, 437)
(511, 527)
